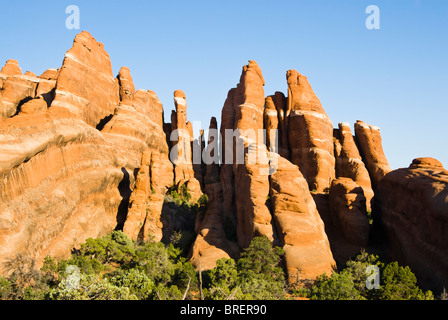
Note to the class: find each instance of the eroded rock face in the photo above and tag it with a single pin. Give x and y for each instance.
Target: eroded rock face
(271, 125)
(411, 205)
(298, 224)
(283, 113)
(371, 148)
(60, 185)
(83, 153)
(47, 85)
(349, 163)
(211, 243)
(137, 126)
(34, 106)
(139, 199)
(127, 88)
(349, 211)
(16, 91)
(310, 133)
(63, 180)
(86, 86)
(181, 151)
(11, 68)
(251, 176)
(226, 147)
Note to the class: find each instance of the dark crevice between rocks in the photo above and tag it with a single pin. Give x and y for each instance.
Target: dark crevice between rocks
(21, 103)
(100, 126)
(124, 187)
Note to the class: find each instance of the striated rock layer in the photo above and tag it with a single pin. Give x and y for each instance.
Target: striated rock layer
(211, 243)
(86, 86)
(349, 163)
(61, 183)
(252, 176)
(310, 133)
(181, 152)
(370, 144)
(83, 153)
(411, 207)
(300, 228)
(349, 211)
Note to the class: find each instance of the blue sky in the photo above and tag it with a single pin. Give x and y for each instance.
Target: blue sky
(395, 78)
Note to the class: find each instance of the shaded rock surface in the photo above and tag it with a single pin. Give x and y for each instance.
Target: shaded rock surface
(349, 211)
(411, 207)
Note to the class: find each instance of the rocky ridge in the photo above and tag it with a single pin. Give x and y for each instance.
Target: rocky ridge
(83, 153)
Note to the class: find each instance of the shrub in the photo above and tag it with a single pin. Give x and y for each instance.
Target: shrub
(337, 287)
(399, 283)
(91, 287)
(139, 284)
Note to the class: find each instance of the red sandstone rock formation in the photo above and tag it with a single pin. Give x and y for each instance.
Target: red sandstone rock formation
(283, 113)
(226, 147)
(47, 85)
(411, 206)
(60, 185)
(181, 152)
(349, 211)
(72, 139)
(16, 90)
(11, 68)
(298, 224)
(271, 125)
(211, 243)
(252, 176)
(86, 86)
(310, 133)
(349, 163)
(34, 106)
(370, 145)
(58, 173)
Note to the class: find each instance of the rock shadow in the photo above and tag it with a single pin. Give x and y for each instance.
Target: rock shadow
(124, 187)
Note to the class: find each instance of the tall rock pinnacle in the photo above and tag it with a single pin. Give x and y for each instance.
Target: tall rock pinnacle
(310, 133)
